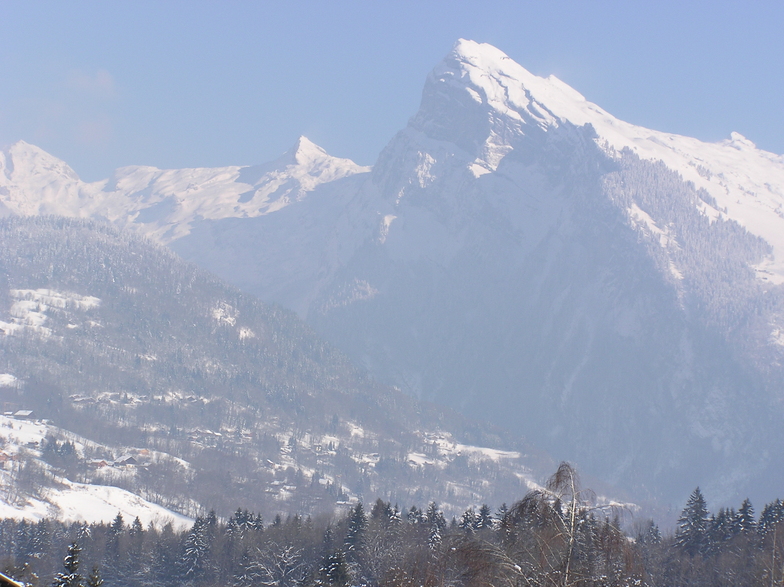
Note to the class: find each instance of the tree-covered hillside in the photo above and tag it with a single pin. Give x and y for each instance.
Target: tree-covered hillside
(117, 340)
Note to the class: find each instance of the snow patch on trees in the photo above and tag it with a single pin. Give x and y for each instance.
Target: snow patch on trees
(31, 308)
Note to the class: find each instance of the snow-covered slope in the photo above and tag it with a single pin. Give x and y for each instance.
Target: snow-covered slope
(61, 498)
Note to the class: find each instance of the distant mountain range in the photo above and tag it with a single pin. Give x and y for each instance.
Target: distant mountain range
(615, 294)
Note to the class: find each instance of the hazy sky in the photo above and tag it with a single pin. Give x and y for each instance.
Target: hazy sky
(185, 84)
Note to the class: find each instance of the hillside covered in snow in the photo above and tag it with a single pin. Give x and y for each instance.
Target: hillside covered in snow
(137, 383)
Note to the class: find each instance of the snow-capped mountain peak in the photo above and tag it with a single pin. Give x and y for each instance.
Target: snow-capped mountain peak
(482, 101)
(507, 86)
(310, 165)
(306, 150)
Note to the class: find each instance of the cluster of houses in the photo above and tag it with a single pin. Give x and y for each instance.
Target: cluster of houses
(123, 462)
(206, 437)
(126, 461)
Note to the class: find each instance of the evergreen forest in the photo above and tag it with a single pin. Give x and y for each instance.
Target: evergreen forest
(551, 537)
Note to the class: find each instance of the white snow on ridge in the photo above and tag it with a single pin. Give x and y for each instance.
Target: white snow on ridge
(164, 204)
(34, 182)
(747, 182)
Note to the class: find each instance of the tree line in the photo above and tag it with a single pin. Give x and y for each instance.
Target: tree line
(552, 537)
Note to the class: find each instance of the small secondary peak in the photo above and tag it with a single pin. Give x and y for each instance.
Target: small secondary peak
(308, 154)
(305, 145)
(304, 151)
(738, 141)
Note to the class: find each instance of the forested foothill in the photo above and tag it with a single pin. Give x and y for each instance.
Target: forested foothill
(223, 400)
(552, 537)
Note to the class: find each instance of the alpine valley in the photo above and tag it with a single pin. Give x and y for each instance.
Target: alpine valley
(160, 392)
(611, 293)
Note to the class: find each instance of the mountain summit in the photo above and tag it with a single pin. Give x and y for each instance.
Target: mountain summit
(746, 182)
(613, 292)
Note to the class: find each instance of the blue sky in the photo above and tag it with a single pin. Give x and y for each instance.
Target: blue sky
(186, 84)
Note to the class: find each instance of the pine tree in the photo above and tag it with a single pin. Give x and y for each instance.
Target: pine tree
(71, 576)
(650, 534)
(720, 531)
(437, 524)
(94, 580)
(163, 567)
(434, 539)
(468, 521)
(355, 536)
(118, 524)
(745, 521)
(328, 541)
(244, 576)
(394, 518)
(771, 515)
(22, 542)
(435, 516)
(691, 535)
(39, 542)
(232, 530)
(113, 540)
(484, 519)
(381, 512)
(195, 549)
(334, 570)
